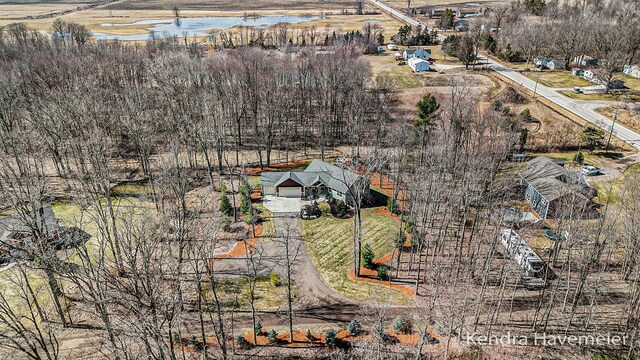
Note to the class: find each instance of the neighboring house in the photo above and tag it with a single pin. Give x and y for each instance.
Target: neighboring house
(418, 65)
(460, 25)
(380, 49)
(632, 70)
(318, 179)
(585, 61)
(468, 13)
(547, 184)
(419, 53)
(549, 63)
(613, 84)
(577, 72)
(16, 234)
(392, 47)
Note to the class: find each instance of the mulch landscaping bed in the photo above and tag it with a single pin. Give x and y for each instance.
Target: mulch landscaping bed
(256, 170)
(241, 249)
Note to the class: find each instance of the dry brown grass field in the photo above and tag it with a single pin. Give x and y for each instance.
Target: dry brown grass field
(132, 11)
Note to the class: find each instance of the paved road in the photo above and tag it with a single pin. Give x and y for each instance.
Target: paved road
(574, 106)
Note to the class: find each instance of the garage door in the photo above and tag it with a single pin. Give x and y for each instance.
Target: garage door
(290, 191)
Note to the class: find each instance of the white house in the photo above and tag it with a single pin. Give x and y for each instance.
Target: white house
(613, 84)
(419, 53)
(418, 65)
(632, 70)
(549, 63)
(392, 47)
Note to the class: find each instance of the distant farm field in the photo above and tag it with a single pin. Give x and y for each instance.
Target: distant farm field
(236, 5)
(107, 20)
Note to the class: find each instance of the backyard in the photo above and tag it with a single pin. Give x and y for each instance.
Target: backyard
(329, 242)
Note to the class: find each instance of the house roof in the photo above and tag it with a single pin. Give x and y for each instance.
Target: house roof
(318, 171)
(16, 224)
(554, 181)
(415, 60)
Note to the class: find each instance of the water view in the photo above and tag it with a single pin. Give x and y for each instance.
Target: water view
(199, 26)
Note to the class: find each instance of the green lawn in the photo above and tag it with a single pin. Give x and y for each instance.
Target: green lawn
(267, 296)
(268, 230)
(330, 245)
(557, 79)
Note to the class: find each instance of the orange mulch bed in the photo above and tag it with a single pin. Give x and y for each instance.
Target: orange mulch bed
(371, 276)
(275, 167)
(240, 249)
(300, 338)
(256, 194)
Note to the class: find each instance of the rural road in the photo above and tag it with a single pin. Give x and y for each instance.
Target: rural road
(574, 106)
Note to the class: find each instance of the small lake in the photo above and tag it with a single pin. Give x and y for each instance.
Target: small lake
(199, 26)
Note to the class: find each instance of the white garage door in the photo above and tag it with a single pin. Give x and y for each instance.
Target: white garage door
(290, 191)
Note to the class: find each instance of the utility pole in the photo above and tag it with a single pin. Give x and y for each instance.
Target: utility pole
(615, 117)
(535, 88)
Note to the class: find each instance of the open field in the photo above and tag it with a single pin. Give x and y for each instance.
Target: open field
(628, 118)
(557, 79)
(330, 245)
(236, 5)
(94, 19)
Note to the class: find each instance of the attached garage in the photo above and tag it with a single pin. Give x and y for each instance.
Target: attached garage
(269, 190)
(292, 192)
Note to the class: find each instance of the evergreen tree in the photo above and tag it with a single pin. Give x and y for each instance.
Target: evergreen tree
(368, 256)
(225, 205)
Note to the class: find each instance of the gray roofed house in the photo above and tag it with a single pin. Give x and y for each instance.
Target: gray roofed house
(318, 179)
(547, 183)
(16, 233)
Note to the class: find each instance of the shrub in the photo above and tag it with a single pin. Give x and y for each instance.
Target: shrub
(242, 343)
(525, 115)
(378, 331)
(225, 205)
(383, 272)
(272, 336)
(368, 256)
(392, 205)
(193, 341)
(341, 208)
(225, 223)
(354, 328)
(579, 157)
(401, 238)
(330, 338)
(258, 328)
(496, 105)
(309, 336)
(274, 278)
(402, 325)
(245, 197)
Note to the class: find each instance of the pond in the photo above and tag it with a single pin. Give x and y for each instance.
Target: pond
(197, 26)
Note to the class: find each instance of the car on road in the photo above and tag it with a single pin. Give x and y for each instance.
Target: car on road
(590, 170)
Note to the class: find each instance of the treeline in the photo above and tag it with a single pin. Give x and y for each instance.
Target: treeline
(71, 112)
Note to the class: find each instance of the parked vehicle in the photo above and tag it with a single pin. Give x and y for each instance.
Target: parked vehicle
(590, 170)
(577, 90)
